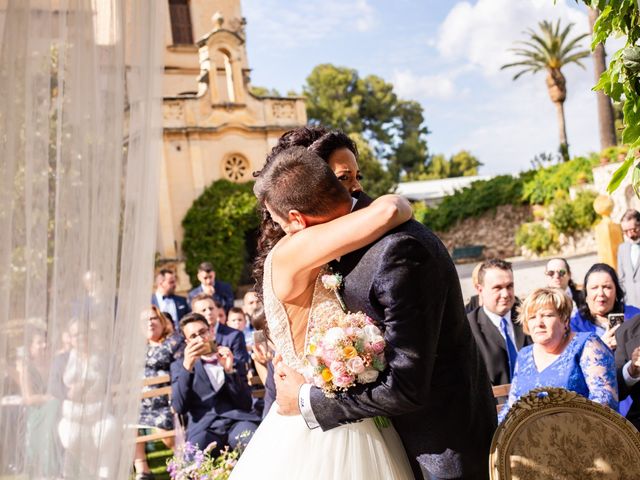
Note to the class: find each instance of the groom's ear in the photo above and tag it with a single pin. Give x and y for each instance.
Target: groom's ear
(297, 221)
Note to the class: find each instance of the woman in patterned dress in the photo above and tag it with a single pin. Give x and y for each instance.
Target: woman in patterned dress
(155, 412)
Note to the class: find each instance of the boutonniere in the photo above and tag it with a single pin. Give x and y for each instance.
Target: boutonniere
(333, 281)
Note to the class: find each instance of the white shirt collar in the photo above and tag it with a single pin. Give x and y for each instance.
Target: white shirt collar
(497, 319)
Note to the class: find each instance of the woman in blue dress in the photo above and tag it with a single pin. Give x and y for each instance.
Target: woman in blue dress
(604, 295)
(558, 357)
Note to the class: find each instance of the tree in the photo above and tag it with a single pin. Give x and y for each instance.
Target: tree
(215, 228)
(606, 120)
(621, 80)
(550, 51)
(462, 164)
(394, 128)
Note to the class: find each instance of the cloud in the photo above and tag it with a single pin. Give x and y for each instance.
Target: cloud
(296, 24)
(482, 33)
(409, 85)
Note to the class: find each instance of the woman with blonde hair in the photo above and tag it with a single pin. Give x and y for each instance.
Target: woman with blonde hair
(558, 357)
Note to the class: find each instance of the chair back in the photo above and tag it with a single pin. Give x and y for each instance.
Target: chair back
(552, 433)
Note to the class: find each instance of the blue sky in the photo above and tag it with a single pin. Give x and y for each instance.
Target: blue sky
(444, 54)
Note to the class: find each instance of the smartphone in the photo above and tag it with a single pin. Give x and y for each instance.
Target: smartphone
(213, 346)
(615, 319)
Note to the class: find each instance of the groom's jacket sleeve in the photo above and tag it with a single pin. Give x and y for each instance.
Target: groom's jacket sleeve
(410, 287)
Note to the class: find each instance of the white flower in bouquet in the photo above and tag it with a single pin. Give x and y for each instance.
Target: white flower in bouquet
(368, 376)
(334, 335)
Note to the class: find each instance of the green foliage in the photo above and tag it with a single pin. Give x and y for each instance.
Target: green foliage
(621, 81)
(337, 97)
(473, 200)
(462, 164)
(583, 210)
(264, 92)
(215, 227)
(544, 184)
(535, 237)
(562, 218)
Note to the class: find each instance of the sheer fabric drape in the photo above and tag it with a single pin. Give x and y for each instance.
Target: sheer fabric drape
(80, 141)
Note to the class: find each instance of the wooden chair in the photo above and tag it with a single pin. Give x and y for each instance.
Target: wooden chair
(156, 392)
(499, 393)
(552, 433)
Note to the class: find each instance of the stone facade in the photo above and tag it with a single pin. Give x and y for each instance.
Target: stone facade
(213, 126)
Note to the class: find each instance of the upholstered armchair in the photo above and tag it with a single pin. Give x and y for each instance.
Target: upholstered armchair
(552, 433)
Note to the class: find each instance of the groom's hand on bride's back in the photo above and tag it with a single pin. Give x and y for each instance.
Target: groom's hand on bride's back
(288, 382)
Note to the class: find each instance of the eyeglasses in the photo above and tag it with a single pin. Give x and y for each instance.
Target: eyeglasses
(202, 333)
(631, 230)
(551, 273)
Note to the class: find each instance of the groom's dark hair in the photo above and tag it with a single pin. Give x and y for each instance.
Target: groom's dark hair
(297, 179)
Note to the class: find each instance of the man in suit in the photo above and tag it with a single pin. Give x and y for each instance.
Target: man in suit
(219, 290)
(435, 388)
(166, 299)
(498, 336)
(628, 366)
(209, 389)
(629, 257)
(205, 306)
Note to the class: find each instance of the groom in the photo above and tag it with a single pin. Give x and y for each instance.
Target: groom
(435, 388)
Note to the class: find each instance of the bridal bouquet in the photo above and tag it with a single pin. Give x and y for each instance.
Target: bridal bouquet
(344, 349)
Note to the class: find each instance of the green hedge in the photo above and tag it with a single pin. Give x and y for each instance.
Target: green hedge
(546, 182)
(215, 228)
(471, 201)
(535, 237)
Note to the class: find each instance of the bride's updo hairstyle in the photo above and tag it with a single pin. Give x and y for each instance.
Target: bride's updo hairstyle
(294, 179)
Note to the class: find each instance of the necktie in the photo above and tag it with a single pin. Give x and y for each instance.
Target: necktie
(511, 348)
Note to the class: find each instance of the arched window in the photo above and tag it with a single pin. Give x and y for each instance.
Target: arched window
(180, 22)
(236, 168)
(224, 78)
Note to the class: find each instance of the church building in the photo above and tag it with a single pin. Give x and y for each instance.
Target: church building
(213, 126)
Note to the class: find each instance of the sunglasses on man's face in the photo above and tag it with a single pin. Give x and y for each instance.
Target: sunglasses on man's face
(552, 273)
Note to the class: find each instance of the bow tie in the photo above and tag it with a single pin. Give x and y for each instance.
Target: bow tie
(164, 297)
(210, 361)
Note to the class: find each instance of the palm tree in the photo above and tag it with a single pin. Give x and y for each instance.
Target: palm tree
(550, 50)
(606, 119)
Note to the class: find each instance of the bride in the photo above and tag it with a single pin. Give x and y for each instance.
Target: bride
(307, 224)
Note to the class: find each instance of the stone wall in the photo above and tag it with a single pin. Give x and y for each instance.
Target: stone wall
(496, 230)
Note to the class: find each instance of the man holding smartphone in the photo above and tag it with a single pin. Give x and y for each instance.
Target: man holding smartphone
(210, 388)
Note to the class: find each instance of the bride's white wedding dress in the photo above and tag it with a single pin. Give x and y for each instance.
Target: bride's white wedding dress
(284, 447)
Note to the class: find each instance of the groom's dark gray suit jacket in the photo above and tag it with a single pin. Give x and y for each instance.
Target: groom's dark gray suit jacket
(436, 388)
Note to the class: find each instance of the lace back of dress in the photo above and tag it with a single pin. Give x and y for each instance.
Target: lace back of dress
(324, 302)
(277, 320)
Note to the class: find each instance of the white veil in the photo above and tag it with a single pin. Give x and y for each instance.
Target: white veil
(80, 143)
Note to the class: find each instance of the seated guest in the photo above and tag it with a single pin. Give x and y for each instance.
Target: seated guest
(497, 333)
(558, 357)
(207, 388)
(252, 306)
(474, 301)
(628, 365)
(229, 337)
(237, 319)
(219, 290)
(155, 412)
(221, 313)
(40, 407)
(166, 299)
(558, 275)
(603, 297)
